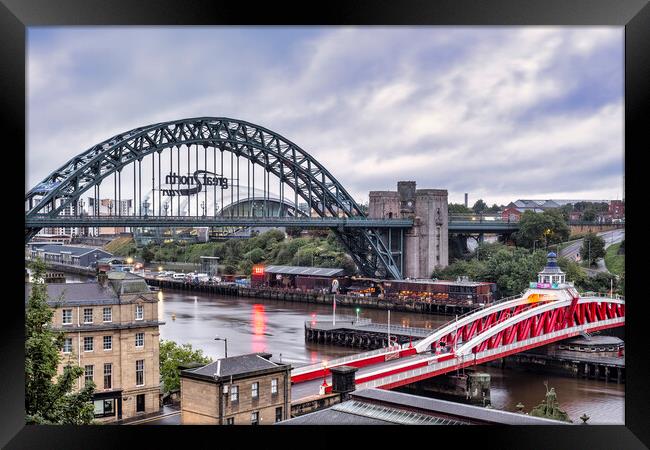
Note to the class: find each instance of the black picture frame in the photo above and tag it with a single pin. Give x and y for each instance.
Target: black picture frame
(634, 15)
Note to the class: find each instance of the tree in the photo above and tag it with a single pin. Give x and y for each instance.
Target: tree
(479, 206)
(548, 227)
(147, 254)
(589, 215)
(171, 356)
(593, 247)
(48, 401)
(457, 208)
(493, 209)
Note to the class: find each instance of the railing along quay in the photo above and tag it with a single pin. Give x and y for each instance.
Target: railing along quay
(294, 295)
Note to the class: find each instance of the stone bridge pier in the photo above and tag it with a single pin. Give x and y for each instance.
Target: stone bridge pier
(425, 245)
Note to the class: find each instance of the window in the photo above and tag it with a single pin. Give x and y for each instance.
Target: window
(108, 342)
(234, 394)
(274, 386)
(108, 372)
(230, 421)
(88, 373)
(88, 315)
(255, 418)
(139, 339)
(278, 414)
(139, 372)
(107, 315)
(139, 312)
(88, 344)
(67, 345)
(255, 389)
(67, 317)
(139, 403)
(105, 407)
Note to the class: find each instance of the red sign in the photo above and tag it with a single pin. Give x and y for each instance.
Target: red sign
(258, 269)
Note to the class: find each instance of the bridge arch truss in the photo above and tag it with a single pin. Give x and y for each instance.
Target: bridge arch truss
(297, 173)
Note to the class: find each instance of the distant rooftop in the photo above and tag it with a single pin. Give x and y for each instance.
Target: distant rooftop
(69, 249)
(297, 270)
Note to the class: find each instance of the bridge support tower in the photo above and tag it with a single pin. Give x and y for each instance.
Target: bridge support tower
(426, 244)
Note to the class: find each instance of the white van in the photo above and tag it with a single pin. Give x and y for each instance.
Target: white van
(178, 276)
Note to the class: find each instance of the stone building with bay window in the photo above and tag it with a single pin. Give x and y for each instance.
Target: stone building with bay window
(111, 331)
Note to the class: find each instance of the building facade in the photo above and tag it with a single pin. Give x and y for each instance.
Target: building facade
(112, 332)
(240, 390)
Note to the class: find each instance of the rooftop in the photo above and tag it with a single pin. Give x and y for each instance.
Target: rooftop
(382, 407)
(74, 294)
(297, 270)
(236, 365)
(69, 249)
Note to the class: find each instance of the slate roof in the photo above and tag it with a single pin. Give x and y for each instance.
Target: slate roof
(236, 365)
(449, 409)
(297, 270)
(75, 294)
(74, 251)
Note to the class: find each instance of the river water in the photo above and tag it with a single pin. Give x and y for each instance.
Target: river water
(277, 327)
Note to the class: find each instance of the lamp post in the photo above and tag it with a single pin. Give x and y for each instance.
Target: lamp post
(225, 340)
(358, 314)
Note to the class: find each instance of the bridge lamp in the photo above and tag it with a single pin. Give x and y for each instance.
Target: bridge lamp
(325, 372)
(358, 309)
(129, 260)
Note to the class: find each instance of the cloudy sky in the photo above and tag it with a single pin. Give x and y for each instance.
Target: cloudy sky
(501, 113)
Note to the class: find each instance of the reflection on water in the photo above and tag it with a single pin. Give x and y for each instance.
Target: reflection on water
(259, 327)
(603, 401)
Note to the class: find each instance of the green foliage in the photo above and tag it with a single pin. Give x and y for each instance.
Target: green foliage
(479, 206)
(147, 254)
(493, 209)
(614, 260)
(171, 356)
(593, 247)
(510, 268)
(48, 401)
(458, 208)
(589, 215)
(548, 227)
(238, 256)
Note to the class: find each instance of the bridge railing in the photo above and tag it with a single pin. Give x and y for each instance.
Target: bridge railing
(352, 320)
(345, 359)
(473, 311)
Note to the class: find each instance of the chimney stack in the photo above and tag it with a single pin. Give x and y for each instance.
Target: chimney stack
(102, 277)
(466, 200)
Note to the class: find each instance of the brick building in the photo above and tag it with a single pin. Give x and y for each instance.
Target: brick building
(240, 390)
(111, 331)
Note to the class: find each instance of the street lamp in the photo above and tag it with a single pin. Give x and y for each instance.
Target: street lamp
(358, 309)
(225, 340)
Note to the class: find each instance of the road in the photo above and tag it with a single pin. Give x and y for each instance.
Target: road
(611, 237)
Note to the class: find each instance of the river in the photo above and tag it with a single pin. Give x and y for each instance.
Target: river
(277, 327)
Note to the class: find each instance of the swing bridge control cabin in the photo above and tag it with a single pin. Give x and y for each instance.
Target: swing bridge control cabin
(461, 291)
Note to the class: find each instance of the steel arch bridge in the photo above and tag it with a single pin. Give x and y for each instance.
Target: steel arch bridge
(510, 326)
(57, 200)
